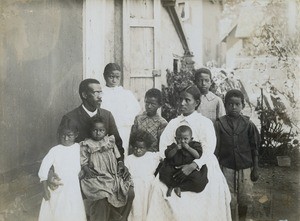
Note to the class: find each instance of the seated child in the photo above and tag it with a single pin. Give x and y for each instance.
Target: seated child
(150, 121)
(184, 152)
(141, 165)
(65, 202)
(99, 162)
(238, 141)
(120, 102)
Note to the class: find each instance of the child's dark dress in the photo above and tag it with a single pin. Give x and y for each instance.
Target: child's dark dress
(195, 182)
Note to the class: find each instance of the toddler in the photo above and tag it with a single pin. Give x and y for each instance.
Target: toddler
(237, 150)
(150, 121)
(65, 202)
(99, 155)
(120, 102)
(184, 151)
(141, 165)
(211, 105)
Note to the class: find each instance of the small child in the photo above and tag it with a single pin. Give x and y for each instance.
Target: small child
(65, 202)
(184, 152)
(237, 150)
(99, 156)
(120, 102)
(211, 105)
(150, 121)
(141, 165)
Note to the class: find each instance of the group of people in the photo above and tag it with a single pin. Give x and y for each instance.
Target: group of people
(115, 163)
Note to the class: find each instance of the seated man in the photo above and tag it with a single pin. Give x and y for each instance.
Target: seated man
(90, 94)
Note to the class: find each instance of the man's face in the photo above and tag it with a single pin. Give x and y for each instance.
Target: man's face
(203, 83)
(92, 97)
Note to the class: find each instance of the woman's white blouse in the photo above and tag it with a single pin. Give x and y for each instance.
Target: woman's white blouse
(203, 132)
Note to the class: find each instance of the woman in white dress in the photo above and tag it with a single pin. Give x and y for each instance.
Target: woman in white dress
(213, 203)
(65, 202)
(120, 102)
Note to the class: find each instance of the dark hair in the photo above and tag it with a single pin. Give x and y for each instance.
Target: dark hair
(67, 124)
(200, 71)
(153, 92)
(94, 120)
(194, 91)
(183, 129)
(110, 67)
(235, 93)
(84, 85)
(141, 136)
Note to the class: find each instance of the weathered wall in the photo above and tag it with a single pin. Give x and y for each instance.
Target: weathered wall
(41, 67)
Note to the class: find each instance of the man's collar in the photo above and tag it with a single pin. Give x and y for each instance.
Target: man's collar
(209, 96)
(91, 114)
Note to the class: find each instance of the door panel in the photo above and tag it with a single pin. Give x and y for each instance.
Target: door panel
(141, 33)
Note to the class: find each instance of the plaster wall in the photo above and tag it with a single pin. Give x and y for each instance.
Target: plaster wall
(41, 67)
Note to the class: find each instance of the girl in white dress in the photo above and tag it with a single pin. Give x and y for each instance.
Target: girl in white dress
(65, 202)
(142, 165)
(213, 203)
(120, 102)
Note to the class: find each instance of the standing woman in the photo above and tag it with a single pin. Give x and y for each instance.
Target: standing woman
(120, 102)
(213, 203)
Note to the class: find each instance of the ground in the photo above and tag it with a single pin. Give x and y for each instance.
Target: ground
(276, 196)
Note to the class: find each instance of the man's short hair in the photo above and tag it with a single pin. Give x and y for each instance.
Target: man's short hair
(84, 85)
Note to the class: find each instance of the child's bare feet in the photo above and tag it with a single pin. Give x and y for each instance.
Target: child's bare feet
(177, 190)
(169, 191)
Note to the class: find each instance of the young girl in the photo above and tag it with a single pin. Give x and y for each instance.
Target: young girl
(237, 150)
(184, 151)
(142, 165)
(99, 162)
(64, 203)
(120, 102)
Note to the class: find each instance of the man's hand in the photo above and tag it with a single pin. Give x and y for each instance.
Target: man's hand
(123, 170)
(53, 180)
(254, 175)
(89, 172)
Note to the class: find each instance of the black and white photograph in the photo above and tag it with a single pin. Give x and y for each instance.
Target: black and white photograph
(150, 110)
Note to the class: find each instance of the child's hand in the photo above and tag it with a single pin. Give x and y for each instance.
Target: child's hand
(54, 181)
(179, 146)
(47, 194)
(122, 171)
(254, 175)
(185, 146)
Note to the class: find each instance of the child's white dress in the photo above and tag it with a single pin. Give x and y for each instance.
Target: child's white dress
(124, 107)
(142, 172)
(66, 201)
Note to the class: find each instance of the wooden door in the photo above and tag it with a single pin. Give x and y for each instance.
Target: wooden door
(141, 35)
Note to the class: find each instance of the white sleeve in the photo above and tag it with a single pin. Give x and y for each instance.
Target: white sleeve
(45, 166)
(133, 107)
(167, 137)
(208, 141)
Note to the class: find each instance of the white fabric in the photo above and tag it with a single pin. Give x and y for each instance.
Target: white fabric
(142, 172)
(213, 203)
(124, 107)
(65, 202)
(91, 114)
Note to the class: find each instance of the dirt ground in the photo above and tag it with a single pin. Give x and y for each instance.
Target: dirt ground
(277, 194)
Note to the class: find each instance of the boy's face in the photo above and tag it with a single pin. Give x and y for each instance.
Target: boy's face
(203, 83)
(113, 79)
(234, 106)
(98, 131)
(151, 105)
(183, 137)
(67, 137)
(139, 148)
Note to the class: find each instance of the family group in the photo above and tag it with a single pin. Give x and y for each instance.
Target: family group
(115, 163)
